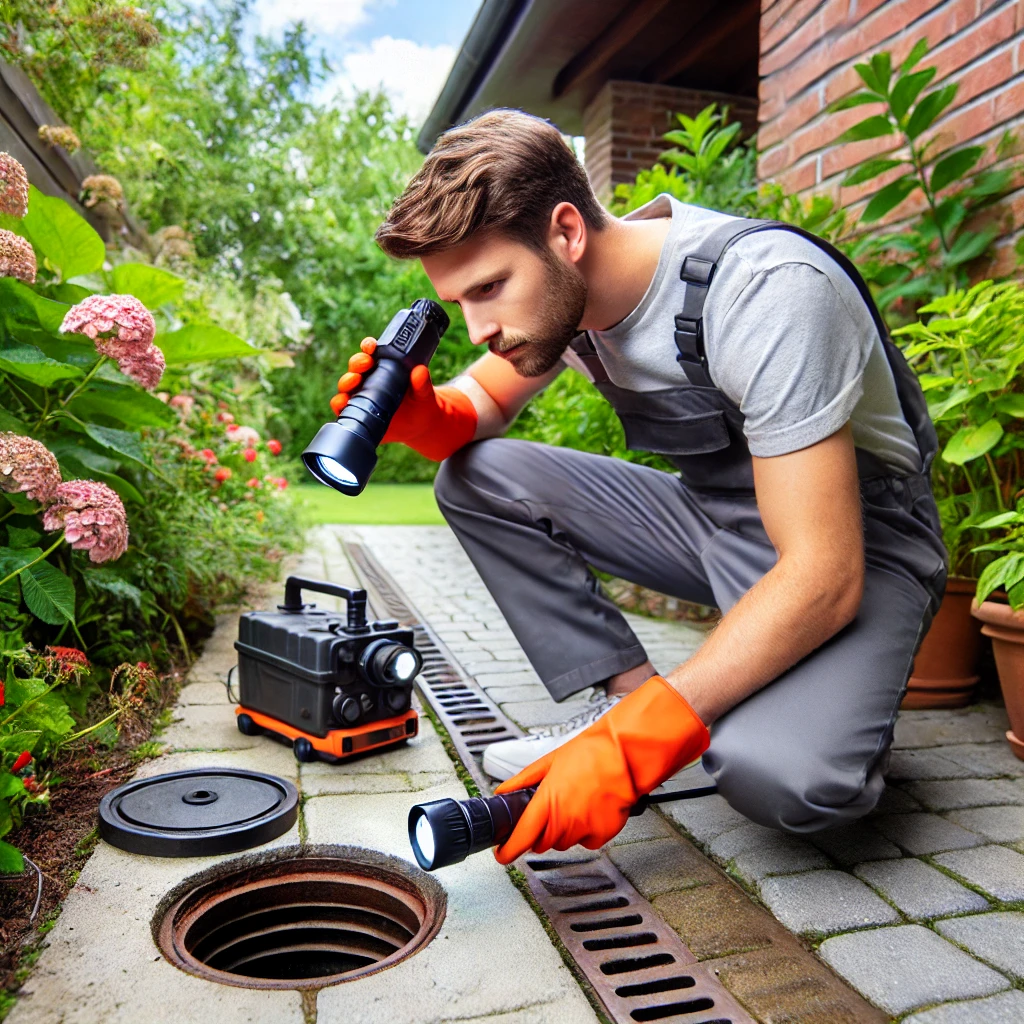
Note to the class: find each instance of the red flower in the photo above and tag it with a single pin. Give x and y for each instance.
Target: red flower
(249, 455)
(207, 453)
(23, 759)
(225, 417)
(274, 447)
(68, 658)
(222, 474)
(253, 482)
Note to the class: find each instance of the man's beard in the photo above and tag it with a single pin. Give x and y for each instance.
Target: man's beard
(534, 354)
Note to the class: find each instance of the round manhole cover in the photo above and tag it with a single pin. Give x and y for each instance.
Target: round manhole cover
(198, 813)
(299, 918)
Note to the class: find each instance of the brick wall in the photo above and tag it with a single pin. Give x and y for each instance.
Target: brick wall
(625, 122)
(808, 52)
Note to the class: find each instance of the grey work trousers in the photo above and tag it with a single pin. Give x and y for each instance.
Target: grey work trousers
(806, 752)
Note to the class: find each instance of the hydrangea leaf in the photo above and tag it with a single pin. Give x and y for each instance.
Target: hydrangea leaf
(64, 237)
(49, 594)
(201, 343)
(150, 285)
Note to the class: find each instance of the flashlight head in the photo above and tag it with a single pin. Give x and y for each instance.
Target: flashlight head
(439, 833)
(341, 457)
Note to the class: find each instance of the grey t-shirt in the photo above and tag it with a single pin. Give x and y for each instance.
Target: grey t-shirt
(788, 339)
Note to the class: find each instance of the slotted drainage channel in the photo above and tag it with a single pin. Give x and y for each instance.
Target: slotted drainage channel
(472, 719)
(638, 966)
(329, 915)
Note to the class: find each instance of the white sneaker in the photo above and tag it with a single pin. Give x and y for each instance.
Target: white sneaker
(508, 758)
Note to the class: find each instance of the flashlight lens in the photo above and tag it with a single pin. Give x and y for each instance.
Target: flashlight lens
(336, 471)
(405, 666)
(425, 839)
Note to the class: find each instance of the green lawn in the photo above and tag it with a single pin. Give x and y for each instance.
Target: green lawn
(379, 504)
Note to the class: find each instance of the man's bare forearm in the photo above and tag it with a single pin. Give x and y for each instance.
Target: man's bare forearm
(781, 619)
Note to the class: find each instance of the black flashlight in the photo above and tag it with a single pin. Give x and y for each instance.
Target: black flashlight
(343, 454)
(447, 831)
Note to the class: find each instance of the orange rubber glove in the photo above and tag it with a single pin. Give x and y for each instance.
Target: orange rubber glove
(588, 785)
(434, 421)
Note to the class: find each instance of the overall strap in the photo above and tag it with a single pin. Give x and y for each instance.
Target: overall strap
(583, 346)
(698, 270)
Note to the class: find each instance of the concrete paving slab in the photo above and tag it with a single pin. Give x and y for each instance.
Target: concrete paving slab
(1005, 1008)
(649, 825)
(910, 765)
(993, 869)
(783, 855)
(101, 963)
(275, 759)
(488, 928)
(850, 844)
(985, 759)
(203, 693)
(824, 902)
(662, 865)
(207, 727)
(1000, 824)
(956, 793)
(705, 819)
(919, 890)
(924, 833)
(997, 938)
(894, 800)
(979, 723)
(905, 967)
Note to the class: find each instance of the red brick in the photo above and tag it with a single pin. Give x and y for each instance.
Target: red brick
(773, 161)
(842, 158)
(799, 178)
(982, 35)
(795, 116)
(870, 35)
(842, 82)
(775, 31)
(1010, 102)
(829, 16)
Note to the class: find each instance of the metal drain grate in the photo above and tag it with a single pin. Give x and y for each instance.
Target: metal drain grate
(637, 965)
(472, 719)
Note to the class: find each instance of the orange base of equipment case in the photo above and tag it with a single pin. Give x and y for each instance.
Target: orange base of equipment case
(338, 744)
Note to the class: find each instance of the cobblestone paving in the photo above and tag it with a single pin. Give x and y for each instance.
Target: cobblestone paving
(918, 906)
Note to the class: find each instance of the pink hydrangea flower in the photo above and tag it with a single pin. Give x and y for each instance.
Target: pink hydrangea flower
(243, 435)
(13, 186)
(28, 467)
(92, 517)
(17, 258)
(122, 329)
(111, 317)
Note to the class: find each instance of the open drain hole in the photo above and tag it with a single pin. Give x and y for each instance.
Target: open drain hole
(640, 963)
(650, 988)
(672, 1009)
(299, 918)
(608, 922)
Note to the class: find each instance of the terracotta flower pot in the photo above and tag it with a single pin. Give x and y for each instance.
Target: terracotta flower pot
(1006, 628)
(946, 667)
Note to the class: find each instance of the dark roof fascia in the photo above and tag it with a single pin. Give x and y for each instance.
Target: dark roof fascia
(491, 29)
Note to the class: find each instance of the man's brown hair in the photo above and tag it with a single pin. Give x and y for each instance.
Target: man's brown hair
(502, 171)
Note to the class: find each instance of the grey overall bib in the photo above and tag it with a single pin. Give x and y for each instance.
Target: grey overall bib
(808, 750)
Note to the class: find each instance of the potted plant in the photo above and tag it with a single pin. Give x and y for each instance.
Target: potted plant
(999, 603)
(967, 354)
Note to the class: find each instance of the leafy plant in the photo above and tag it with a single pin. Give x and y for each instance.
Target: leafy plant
(929, 257)
(1007, 571)
(968, 354)
(708, 167)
